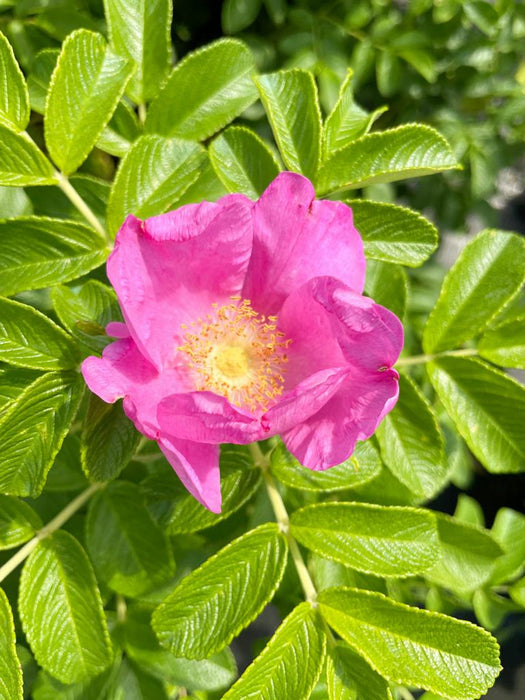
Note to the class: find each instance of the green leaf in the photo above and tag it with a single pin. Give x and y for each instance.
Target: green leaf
(349, 677)
(221, 597)
(290, 664)
(52, 202)
(152, 176)
(14, 100)
(509, 532)
(141, 31)
(207, 186)
(61, 610)
(411, 442)
(414, 647)
(86, 85)
(13, 381)
(33, 429)
(347, 121)
(30, 339)
(388, 73)
(380, 540)
(236, 15)
(109, 440)
(505, 344)
(412, 150)
(18, 522)
(243, 162)
(39, 78)
(394, 234)
(178, 512)
(14, 202)
(21, 162)
(10, 669)
(387, 284)
(361, 467)
(487, 407)
(123, 129)
(37, 252)
(291, 103)
(488, 273)
(139, 557)
(517, 592)
(66, 474)
(467, 555)
(217, 86)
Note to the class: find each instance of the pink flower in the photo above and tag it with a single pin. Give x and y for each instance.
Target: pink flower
(246, 320)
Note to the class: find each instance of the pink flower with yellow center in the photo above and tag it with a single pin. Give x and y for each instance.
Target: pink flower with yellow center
(245, 320)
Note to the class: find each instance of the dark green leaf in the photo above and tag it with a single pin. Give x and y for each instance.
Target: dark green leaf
(239, 14)
(387, 284)
(18, 522)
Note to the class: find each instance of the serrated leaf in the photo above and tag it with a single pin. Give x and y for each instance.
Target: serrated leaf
(18, 522)
(30, 339)
(14, 100)
(290, 664)
(387, 284)
(32, 431)
(141, 31)
(39, 77)
(291, 103)
(243, 162)
(85, 88)
(380, 540)
(153, 175)
(394, 234)
(487, 407)
(22, 162)
(505, 344)
(217, 86)
(412, 150)
(139, 557)
(349, 677)
(215, 602)
(360, 468)
(61, 610)
(509, 532)
(10, 670)
(38, 252)
(347, 121)
(467, 558)
(414, 647)
(487, 274)
(412, 444)
(13, 381)
(178, 512)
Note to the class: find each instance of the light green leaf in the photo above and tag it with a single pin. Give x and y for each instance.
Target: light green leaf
(120, 133)
(411, 442)
(14, 100)
(467, 558)
(21, 162)
(488, 273)
(18, 522)
(10, 670)
(291, 103)
(216, 84)
(469, 511)
(141, 31)
(349, 677)
(290, 664)
(380, 540)
(109, 440)
(221, 597)
(412, 150)
(39, 78)
(32, 431)
(207, 187)
(328, 573)
(517, 592)
(509, 532)
(61, 610)
(394, 234)
(37, 252)
(236, 15)
(505, 344)
(487, 407)
(387, 284)
(139, 557)
(52, 202)
(152, 176)
(347, 121)
(30, 339)
(361, 467)
(243, 162)
(14, 203)
(85, 88)
(388, 73)
(414, 647)
(13, 381)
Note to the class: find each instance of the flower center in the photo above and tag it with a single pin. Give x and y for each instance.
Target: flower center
(237, 353)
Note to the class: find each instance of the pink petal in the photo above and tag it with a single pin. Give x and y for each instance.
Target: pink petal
(297, 238)
(116, 329)
(171, 268)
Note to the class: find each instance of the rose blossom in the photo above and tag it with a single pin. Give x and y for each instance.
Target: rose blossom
(245, 320)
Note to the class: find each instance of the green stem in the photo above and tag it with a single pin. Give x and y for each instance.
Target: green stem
(142, 113)
(73, 196)
(421, 359)
(53, 525)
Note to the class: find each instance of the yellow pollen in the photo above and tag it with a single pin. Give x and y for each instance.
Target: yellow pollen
(237, 353)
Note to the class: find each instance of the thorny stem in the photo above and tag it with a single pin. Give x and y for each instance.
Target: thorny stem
(73, 196)
(421, 359)
(53, 525)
